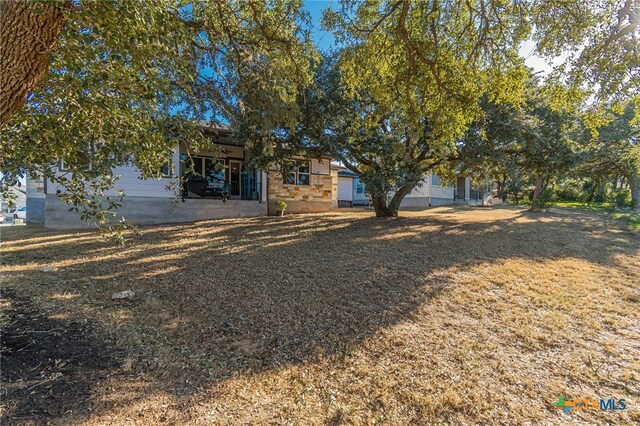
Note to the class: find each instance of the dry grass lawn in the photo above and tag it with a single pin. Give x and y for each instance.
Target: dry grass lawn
(448, 316)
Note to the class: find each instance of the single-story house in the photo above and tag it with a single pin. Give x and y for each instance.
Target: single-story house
(351, 189)
(217, 185)
(432, 192)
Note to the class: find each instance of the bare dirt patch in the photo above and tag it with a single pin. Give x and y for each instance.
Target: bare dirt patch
(450, 315)
(49, 366)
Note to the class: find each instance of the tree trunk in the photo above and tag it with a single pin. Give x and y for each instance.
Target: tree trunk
(634, 185)
(501, 183)
(383, 209)
(380, 206)
(396, 200)
(535, 200)
(29, 32)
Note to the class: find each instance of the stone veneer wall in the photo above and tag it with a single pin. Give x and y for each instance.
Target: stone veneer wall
(320, 196)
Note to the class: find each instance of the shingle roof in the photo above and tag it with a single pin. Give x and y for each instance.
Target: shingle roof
(347, 173)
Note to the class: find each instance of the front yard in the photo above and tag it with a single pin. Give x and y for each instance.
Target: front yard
(448, 316)
(628, 216)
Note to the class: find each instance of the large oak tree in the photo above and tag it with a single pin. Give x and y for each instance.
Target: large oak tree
(30, 31)
(412, 74)
(128, 78)
(614, 152)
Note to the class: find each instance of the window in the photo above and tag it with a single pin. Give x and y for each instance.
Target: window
(290, 179)
(435, 180)
(215, 172)
(300, 175)
(167, 169)
(210, 166)
(80, 162)
(359, 186)
(304, 174)
(196, 168)
(213, 169)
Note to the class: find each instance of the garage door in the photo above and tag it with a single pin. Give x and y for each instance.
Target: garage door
(345, 189)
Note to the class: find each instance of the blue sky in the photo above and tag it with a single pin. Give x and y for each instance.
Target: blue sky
(323, 39)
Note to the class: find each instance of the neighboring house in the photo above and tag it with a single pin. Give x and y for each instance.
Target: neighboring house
(351, 189)
(432, 192)
(216, 186)
(19, 199)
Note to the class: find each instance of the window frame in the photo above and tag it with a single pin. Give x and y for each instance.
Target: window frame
(221, 177)
(200, 163)
(194, 159)
(170, 169)
(62, 167)
(296, 173)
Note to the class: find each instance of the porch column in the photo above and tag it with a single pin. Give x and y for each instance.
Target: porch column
(263, 187)
(467, 189)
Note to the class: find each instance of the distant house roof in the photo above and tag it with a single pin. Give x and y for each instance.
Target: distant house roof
(347, 173)
(214, 129)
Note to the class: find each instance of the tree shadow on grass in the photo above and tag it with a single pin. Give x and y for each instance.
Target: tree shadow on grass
(49, 366)
(220, 298)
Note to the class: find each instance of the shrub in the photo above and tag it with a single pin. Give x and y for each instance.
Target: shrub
(281, 205)
(569, 191)
(621, 198)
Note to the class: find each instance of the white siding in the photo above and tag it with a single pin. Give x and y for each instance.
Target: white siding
(133, 186)
(421, 190)
(131, 183)
(428, 189)
(440, 192)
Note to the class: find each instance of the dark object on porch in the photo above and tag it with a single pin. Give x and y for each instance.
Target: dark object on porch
(199, 187)
(195, 186)
(223, 192)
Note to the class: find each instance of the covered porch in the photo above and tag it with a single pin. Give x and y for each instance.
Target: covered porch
(222, 175)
